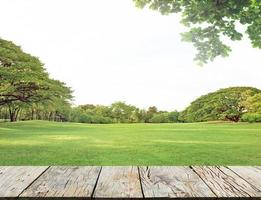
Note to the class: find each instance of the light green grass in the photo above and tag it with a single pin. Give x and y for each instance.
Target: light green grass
(50, 143)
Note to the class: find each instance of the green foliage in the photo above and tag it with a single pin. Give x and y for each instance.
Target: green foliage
(211, 20)
(118, 112)
(253, 103)
(251, 117)
(84, 118)
(150, 113)
(165, 117)
(25, 84)
(22, 77)
(225, 104)
(122, 112)
(173, 116)
(96, 119)
(27, 92)
(160, 118)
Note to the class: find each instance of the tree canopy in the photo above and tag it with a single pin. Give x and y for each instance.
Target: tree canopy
(24, 81)
(120, 112)
(225, 104)
(27, 92)
(211, 20)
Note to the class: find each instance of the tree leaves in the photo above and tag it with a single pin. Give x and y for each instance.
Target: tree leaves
(24, 81)
(224, 104)
(210, 20)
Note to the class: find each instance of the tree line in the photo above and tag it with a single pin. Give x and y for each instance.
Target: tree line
(118, 112)
(28, 93)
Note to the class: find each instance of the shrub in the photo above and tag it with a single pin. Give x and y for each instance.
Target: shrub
(84, 118)
(251, 117)
(100, 120)
(173, 116)
(160, 118)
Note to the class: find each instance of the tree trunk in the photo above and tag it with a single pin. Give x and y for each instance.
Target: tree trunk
(12, 117)
(50, 116)
(17, 114)
(233, 119)
(13, 113)
(32, 114)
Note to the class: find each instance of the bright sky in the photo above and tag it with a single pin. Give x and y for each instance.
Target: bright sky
(109, 51)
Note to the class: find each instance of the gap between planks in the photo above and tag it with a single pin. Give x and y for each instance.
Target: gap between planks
(34, 180)
(152, 182)
(94, 188)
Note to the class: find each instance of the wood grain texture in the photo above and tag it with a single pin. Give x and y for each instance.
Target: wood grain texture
(124, 182)
(251, 174)
(13, 180)
(225, 183)
(159, 182)
(258, 167)
(118, 182)
(62, 182)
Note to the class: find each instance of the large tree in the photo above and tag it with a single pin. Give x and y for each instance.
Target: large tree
(210, 20)
(224, 104)
(122, 112)
(254, 103)
(24, 81)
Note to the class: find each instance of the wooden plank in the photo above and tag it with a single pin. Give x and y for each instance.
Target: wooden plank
(225, 183)
(258, 167)
(251, 174)
(62, 182)
(13, 180)
(123, 182)
(160, 182)
(118, 182)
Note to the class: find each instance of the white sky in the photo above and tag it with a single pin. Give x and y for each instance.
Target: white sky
(110, 50)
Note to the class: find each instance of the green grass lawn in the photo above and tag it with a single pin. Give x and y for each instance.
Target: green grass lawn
(50, 143)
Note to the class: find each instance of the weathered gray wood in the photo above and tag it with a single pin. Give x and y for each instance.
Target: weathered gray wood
(123, 182)
(13, 180)
(225, 183)
(174, 182)
(258, 167)
(251, 174)
(118, 182)
(61, 182)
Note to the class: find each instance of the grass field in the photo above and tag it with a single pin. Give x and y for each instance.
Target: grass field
(50, 143)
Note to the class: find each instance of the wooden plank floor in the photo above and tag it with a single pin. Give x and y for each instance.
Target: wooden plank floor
(130, 182)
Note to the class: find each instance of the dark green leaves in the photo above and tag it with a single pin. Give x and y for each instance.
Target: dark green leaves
(24, 81)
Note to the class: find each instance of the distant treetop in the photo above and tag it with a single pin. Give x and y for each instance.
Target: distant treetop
(225, 104)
